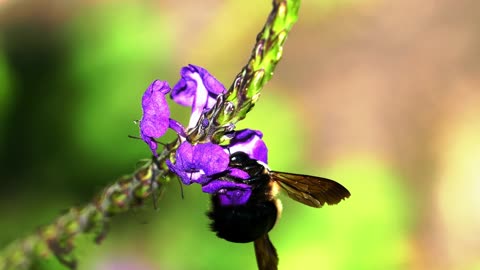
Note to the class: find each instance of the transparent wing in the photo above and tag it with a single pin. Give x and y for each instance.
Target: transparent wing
(267, 258)
(310, 190)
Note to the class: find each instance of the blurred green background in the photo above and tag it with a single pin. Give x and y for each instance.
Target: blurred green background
(380, 95)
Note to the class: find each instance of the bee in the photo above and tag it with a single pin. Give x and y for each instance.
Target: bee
(251, 221)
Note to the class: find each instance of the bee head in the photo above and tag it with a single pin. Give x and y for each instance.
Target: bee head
(241, 159)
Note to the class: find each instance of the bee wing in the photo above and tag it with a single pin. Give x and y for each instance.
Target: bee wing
(310, 190)
(267, 258)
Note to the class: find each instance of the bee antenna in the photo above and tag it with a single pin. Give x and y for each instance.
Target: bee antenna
(152, 181)
(138, 138)
(134, 137)
(181, 188)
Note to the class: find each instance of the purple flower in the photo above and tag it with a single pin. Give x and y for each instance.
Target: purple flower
(250, 142)
(156, 114)
(203, 163)
(229, 193)
(197, 88)
(197, 163)
(237, 173)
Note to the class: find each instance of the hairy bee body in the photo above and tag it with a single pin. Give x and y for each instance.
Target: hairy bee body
(252, 220)
(248, 222)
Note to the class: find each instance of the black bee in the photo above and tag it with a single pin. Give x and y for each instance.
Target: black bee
(253, 220)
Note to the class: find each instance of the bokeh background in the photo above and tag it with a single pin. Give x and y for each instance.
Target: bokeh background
(382, 96)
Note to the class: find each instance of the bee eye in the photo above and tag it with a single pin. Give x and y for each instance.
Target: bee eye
(239, 157)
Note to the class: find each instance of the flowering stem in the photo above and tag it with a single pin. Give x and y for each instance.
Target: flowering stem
(245, 89)
(58, 237)
(128, 192)
(266, 53)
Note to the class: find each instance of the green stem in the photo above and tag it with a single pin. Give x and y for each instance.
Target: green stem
(129, 192)
(58, 237)
(245, 89)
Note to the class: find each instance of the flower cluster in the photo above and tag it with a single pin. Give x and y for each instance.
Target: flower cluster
(203, 163)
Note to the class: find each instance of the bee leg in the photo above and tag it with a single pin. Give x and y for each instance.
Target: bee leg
(267, 258)
(259, 178)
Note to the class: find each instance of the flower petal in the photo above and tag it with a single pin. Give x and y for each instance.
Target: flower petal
(185, 157)
(185, 177)
(177, 127)
(240, 174)
(229, 193)
(156, 114)
(212, 158)
(184, 167)
(250, 142)
(196, 88)
(195, 163)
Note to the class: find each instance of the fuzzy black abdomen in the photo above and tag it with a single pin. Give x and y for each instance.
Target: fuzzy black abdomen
(242, 223)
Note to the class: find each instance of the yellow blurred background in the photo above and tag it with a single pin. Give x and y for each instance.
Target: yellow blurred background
(382, 96)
